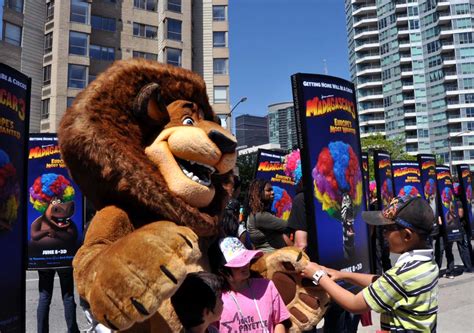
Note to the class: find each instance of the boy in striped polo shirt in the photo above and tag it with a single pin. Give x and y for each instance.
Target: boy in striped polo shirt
(407, 294)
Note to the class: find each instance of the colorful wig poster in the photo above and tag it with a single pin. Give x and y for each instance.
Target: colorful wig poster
(55, 206)
(279, 168)
(328, 130)
(15, 89)
(406, 178)
(465, 193)
(447, 203)
(365, 176)
(383, 178)
(427, 165)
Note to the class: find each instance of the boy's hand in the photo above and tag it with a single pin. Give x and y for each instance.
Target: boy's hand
(334, 274)
(310, 269)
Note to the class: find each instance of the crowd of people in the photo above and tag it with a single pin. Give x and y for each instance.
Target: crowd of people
(230, 300)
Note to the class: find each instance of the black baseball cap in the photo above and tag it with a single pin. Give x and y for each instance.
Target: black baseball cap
(406, 211)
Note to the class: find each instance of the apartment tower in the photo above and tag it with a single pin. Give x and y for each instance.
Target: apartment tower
(282, 125)
(63, 45)
(412, 62)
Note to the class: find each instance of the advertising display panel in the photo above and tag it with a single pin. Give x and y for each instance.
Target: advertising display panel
(383, 178)
(271, 166)
(15, 91)
(55, 206)
(447, 203)
(465, 194)
(328, 131)
(406, 178)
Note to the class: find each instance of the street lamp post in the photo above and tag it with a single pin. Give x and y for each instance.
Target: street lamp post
(243, 99)
(450, 148)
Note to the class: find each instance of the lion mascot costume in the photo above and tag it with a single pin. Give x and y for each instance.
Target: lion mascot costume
(144, 145)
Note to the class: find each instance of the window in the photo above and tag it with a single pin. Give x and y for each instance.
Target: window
(145, 55)
(69, 101)
(173, 56)
(47, 74)
(146, 31)
(49, 11)
(174, 5)
(220, 66)
(16, 5)
(174, 29)
(414, 24)
(219, 39)
(218, 13)
(103, 23)
(220, 95)
(99, 52)
(77, 76)
(466, 38)
(80, 11)
(92, 77)
(78, 43)
(12, 34)
(468, 83)
(48, 43)
(467, 52)
(44, 109)
(150, 5)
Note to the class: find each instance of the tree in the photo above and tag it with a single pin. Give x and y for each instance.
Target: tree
(246, 164)
(393, 146)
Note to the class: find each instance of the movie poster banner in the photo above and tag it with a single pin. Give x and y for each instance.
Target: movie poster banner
(406, 178)
(365, 176)
(331, 160)
(279, 169)
(447, 203)
(427, 165)
(465, 193)
(15, 91)
(55, 206)
(383, 178)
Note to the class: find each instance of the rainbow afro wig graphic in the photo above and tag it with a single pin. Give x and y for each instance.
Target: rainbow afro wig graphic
(387, 192)
(446, 196)
(49, 186)
(9, 191)
(456, 189)
(430, 188)
(409, 190)
(469, 193)
(293, 165)
(337, 172)
(281, 203)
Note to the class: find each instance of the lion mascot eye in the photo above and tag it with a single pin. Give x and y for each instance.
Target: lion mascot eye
(188, 121)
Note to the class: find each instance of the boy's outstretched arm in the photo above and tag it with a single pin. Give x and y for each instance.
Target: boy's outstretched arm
(346, 299)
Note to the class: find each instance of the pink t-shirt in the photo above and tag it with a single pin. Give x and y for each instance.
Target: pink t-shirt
(246, 319)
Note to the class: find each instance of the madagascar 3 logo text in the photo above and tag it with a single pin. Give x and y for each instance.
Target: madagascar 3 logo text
(270, 166)
(320, 107)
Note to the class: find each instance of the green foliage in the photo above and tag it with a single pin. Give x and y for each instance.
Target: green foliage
(246, 164)
(393, 146)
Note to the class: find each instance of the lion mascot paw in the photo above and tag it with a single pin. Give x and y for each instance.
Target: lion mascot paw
(306, 302)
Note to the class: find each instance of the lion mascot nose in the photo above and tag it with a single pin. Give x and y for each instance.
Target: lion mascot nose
(225, 144)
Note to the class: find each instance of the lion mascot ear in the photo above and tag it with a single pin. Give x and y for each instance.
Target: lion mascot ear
(149, 105)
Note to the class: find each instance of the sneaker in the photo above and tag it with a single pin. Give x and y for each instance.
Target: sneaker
(449, 276)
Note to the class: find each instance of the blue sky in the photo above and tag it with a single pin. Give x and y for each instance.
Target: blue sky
(270, 40)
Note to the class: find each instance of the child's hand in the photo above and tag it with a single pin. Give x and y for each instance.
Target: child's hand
(310, 269)
(334, 274)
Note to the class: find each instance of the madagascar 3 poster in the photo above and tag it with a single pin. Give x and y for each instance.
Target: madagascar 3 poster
(55, 206)
(447, 203)
(331, 160)
(365, 177)
(383, 178)
(283, 171)
(406, 178)
(465, 193)
(427, 165)
(14, 115)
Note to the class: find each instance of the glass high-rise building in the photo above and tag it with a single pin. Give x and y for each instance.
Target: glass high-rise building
(64, 44)
(282, 125)
(412, 62)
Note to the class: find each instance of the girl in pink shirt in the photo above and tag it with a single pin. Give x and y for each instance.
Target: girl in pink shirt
(250, 304)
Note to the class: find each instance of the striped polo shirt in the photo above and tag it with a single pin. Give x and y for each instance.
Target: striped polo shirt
(407, 294)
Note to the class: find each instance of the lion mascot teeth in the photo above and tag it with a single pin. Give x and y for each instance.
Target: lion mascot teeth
(144, 146)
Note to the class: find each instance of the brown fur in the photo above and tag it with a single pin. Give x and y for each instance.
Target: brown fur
(103, 143)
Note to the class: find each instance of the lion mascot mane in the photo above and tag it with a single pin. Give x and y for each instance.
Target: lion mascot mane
(144, 145)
